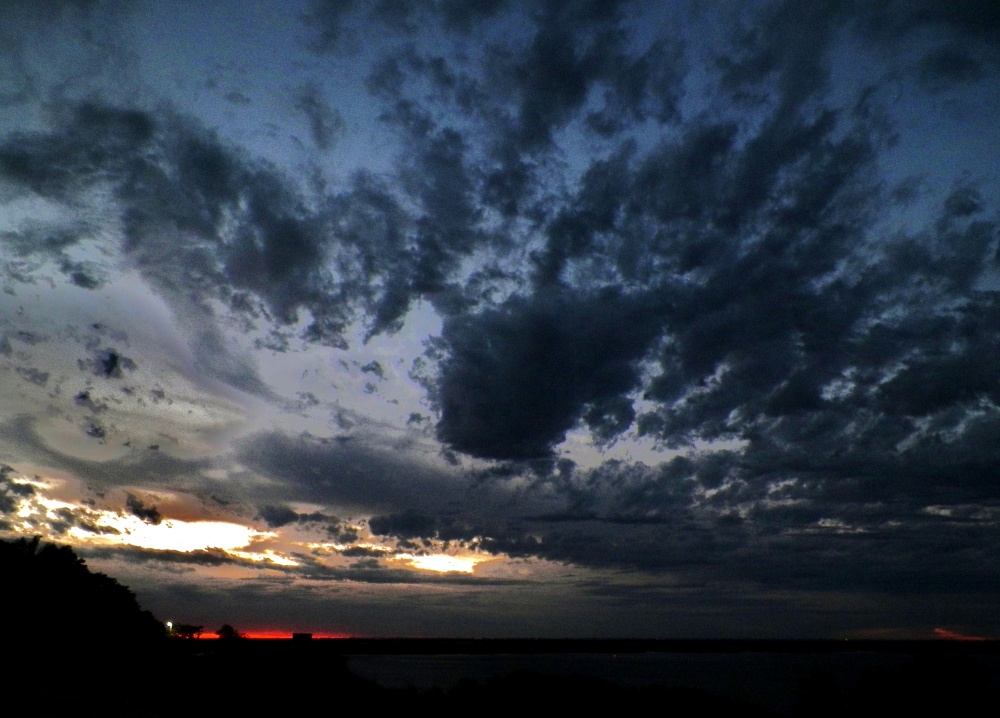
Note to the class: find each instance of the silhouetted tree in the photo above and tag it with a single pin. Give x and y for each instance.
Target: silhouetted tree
(187, 630)
(52, 601)
(228, 632)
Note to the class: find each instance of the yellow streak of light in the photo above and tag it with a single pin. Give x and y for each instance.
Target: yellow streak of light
(172, 535)
(441, 563)
(268, 556)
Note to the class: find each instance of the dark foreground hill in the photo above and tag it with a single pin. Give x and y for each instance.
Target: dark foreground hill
(53, 603)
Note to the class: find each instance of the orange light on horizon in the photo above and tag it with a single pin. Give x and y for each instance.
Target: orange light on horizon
(953, 636)
(272, 635)
(288, 634)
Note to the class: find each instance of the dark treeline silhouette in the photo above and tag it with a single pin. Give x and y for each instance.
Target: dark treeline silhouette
(227, 633)
(187, 631)
(52, 603)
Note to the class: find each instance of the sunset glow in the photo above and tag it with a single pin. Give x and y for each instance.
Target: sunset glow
(441, 562)
(172, 534)
(954, 636)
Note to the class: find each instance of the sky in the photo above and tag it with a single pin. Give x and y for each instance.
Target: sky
(508, 318)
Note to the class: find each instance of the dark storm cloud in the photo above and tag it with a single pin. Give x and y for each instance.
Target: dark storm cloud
(620, 514)
(949, 65)
(355, 472)
(199, 557)
(734, 242)
(36, 243)
(966, 19)
(373, 367)
(86, 400)
(174, 180)
(420, 252)
(713, 295)
(350, 253)
(362, 552)
(526, 88)
(638, 220)
(579, 47)
(325, 123)
(276, 516)
(149, 514)
(203, 221)
(335, 22)
(958, 41)
(12, 491)
(81, 274)
(764, 284)
(407, 524)
(780, 52)
(517, 378)
(762, 528)
(94, 429)
(108, 364)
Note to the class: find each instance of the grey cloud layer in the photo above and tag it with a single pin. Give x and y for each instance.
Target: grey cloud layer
(743, 278)
(723, 261)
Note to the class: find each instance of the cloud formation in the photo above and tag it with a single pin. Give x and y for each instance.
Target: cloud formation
(707, 294)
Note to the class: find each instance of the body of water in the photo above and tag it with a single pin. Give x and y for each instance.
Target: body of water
(769, 680)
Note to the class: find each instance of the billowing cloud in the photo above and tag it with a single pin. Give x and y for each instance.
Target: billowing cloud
(516, 379)
(703, 295)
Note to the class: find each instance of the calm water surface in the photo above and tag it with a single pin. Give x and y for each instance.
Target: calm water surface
(768, 680)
